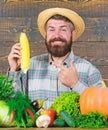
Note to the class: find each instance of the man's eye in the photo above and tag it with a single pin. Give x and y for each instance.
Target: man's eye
(63, 29)
(51, 29)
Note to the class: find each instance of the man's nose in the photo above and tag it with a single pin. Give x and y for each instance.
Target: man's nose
(57, 33)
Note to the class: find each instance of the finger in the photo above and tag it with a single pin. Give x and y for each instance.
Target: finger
(72, 65)
(11, 56)
(16, 52)
(19, 62)
(18, 44)
(16, 56)
(16, 47)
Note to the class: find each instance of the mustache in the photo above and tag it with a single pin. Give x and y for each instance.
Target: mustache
(57, 39)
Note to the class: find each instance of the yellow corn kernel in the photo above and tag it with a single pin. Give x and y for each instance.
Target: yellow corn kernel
(25, 52)
(103, 84)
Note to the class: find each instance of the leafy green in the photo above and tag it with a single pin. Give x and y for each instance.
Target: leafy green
(4, 116)
(19, 103)
(68, 101)
(6, 88)
(91, 120)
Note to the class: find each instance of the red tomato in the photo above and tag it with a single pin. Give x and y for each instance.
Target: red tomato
(50, 113)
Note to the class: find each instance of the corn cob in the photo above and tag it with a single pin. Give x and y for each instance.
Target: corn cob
(25, 52)
(103, 84)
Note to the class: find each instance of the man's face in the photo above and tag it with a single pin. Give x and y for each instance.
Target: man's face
(58, 37)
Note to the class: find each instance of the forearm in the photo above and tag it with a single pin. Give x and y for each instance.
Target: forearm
(81, 85)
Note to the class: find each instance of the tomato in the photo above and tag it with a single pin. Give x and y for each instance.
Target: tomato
(51, 113)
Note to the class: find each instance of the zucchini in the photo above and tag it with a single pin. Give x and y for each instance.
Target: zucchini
(67, 118)
(59, 123)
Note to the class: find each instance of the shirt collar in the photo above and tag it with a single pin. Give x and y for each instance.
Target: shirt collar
(67, 60)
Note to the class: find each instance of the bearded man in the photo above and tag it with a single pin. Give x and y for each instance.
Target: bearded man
(59, 70)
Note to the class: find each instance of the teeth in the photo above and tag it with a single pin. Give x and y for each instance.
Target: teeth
(57, 43)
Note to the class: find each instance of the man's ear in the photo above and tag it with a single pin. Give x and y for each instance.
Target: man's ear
(73, 35)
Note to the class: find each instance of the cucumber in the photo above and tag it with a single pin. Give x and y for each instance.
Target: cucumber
(67, 118)
(59, 123)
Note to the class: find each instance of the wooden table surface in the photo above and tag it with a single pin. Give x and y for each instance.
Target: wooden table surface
(54, 128)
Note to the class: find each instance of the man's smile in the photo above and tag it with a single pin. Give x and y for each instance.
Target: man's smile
(57, 43)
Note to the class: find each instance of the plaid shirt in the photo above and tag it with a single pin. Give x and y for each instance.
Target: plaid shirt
(42, 82)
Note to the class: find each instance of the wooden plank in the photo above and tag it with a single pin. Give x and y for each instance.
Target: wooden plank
(95, 52)
(90, 8)
(10, 28)
(96, 29)
(94, 8)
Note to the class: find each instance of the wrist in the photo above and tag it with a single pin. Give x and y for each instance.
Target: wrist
(14, 69)
(73, 84)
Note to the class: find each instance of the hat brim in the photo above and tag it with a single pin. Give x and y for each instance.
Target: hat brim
(71, 15)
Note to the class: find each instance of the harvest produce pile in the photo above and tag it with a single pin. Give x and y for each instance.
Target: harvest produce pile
(17, 110)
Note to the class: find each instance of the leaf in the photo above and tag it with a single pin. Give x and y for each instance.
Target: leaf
(6, 88)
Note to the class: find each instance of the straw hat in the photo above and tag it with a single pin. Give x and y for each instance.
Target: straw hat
(71, 15)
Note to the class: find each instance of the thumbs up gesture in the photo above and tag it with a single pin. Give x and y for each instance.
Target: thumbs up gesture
(67, 76)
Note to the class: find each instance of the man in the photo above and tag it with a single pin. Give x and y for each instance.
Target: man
(59, 70)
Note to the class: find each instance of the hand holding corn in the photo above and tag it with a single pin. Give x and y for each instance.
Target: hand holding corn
(19, 56)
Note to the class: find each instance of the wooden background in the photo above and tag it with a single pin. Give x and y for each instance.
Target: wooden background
(21, 15)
